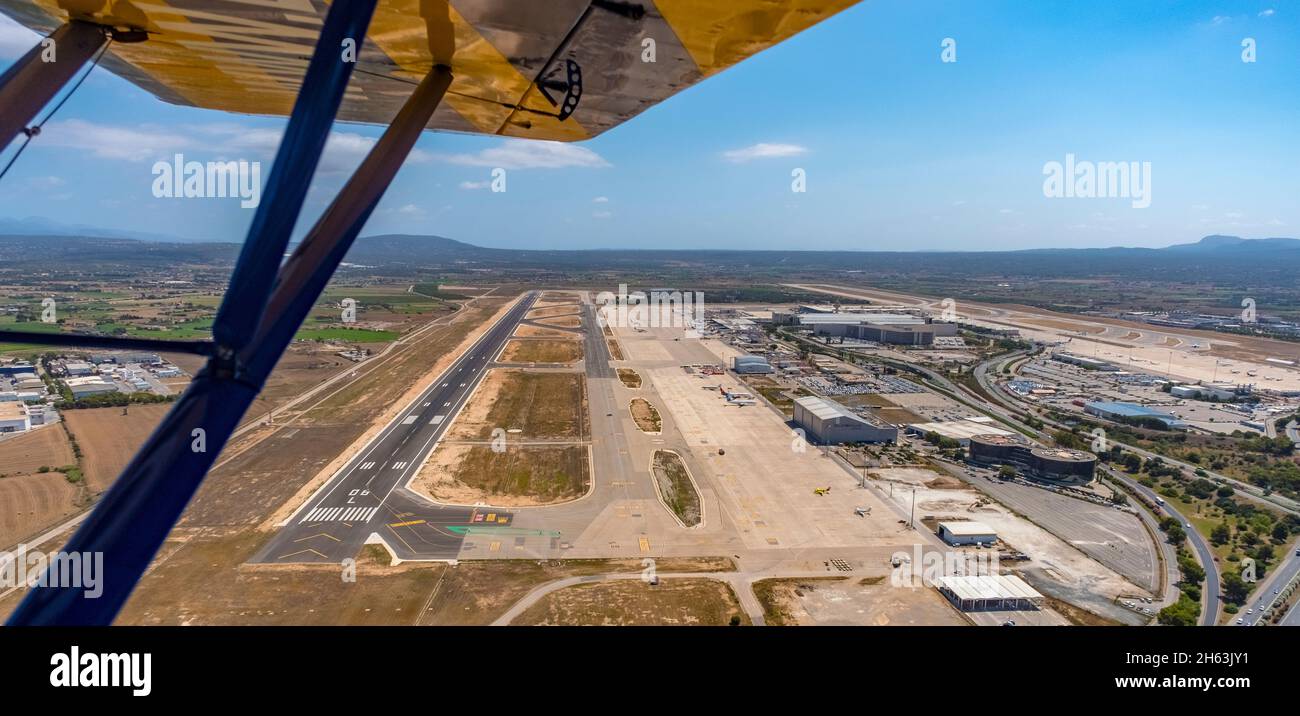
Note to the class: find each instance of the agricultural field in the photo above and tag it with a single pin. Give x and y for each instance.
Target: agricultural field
(39, 483)
(109, 437)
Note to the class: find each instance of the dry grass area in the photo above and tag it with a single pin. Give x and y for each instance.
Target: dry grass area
(646, 416)
(779, 597)
(43, 447)
(520, 476)
(109, 438)
(542, 350)
(538, 405)
(527, 331)
(676, 488)
(615, 349)
(630, 378)
(841, 601)
(1077, 615)
(552, 312)
(562, 322)
(632, 602)
(200, 579)
(570, 302)
(477, 592)
(30, 504)
(560, 297)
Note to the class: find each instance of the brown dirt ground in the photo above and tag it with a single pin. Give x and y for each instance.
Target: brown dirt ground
(526, 331)
(631, 602)
(630, 378)
(542, 350)
(541, 405)
(520, 476)
(552, 312)
(646, 416)
(615, 350)
(562, 322)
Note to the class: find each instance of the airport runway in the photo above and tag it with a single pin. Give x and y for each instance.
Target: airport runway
(367, 497)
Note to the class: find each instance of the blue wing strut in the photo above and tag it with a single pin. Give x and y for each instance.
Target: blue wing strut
(263, 308)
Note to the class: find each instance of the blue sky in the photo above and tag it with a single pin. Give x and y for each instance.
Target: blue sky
(901, 150)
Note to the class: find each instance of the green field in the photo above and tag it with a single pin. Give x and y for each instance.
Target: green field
(346, 335)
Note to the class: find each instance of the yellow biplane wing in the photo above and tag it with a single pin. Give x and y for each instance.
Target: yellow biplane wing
(541, 69)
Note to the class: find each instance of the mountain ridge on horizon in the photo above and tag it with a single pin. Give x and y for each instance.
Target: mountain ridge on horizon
(1210, 243)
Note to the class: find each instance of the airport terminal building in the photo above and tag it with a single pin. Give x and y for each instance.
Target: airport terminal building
(831, 423)
(1056, 465)
(891, 328)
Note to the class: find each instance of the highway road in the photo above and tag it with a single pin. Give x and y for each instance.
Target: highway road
(367, 495)
(1282, 573)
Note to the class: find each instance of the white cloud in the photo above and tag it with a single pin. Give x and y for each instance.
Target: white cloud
(600, 200)
(473, 185)
(763, 150)
(531, 154)
(344, 151)
(130, 144)
(46, 183)
(1266, 13)
(15, 39)
(601, 214)
(1220, 19)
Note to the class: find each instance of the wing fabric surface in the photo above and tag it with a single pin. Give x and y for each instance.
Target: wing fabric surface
(513, 61)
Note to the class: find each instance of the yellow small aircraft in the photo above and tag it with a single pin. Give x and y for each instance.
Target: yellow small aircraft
(822, 490)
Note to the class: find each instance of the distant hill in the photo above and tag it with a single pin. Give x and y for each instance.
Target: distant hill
(1219, 242)
(1222, 260)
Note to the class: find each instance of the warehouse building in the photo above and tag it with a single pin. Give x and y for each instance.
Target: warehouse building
(977, 593)
(960, 430)
(1220, 391)
(89, 385)
(1128, 412)
(750, 364)
(1084, 361)
(14, 418)
(831, 423)
(76, 368)
(966, 532)
(13, 369)
(1056, 465)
